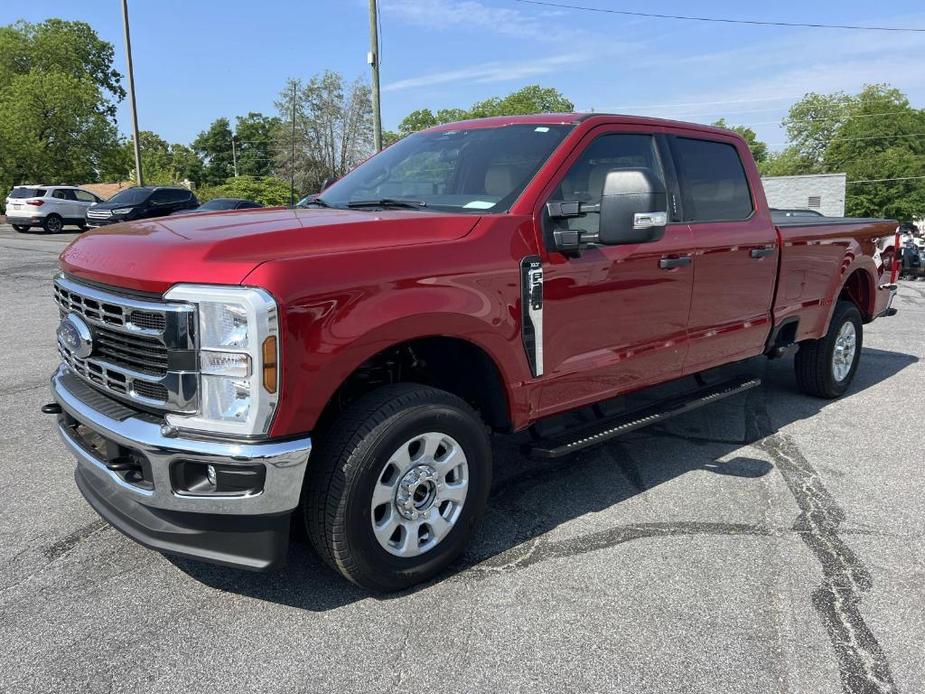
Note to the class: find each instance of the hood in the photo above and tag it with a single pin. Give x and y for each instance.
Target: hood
(151, 255)
(106, 205)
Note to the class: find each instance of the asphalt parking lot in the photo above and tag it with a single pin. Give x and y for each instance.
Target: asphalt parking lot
(768, 543)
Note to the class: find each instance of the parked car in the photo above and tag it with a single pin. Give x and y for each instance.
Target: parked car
(141, 202)
(221, 205)
(48, 207)
(577, 276)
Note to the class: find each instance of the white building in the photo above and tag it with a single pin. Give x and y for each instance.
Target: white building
(824, 193)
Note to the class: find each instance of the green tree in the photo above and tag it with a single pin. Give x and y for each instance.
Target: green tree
(871, 136)
(56, 45)
(214, 147)
(530, 99)
(267, 190)
(52, 130)
(57, 103)
(254, 138)
(759, 149)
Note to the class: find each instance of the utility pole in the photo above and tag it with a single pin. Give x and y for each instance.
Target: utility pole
(292, 154)
(234, 156)
(139, 177)
(373, 60)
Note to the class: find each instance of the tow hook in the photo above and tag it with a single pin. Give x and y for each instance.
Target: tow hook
(52, 408)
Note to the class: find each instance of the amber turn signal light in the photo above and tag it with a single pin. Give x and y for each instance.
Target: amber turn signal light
(269, 364)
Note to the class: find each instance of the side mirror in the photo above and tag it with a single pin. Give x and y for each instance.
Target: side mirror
(327, 183)
(634, 207)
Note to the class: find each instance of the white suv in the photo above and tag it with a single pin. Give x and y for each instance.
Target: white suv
(49, 207)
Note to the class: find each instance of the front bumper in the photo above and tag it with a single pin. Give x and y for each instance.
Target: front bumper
(248, 529)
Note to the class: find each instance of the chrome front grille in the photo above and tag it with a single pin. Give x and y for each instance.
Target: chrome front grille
(99, 214)
(143, 350)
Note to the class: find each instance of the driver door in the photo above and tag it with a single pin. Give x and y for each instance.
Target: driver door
(615, 317)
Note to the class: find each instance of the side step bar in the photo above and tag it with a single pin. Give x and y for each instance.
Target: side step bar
(607, 429)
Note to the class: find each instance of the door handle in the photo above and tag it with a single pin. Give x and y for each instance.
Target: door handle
(762, 252)
(668, 263)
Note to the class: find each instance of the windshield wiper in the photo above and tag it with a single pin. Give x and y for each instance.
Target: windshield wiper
(388, 202)
(313, 201)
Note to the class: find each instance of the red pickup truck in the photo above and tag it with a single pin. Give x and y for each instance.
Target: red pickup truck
(344, 364)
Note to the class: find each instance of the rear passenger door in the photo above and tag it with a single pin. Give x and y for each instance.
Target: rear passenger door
(66, 204)
(735, 250)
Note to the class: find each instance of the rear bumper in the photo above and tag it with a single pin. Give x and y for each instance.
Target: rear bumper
(23, 217)
(249, 530)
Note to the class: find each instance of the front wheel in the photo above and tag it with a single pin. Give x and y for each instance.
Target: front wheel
(400, 480)
(826, 367)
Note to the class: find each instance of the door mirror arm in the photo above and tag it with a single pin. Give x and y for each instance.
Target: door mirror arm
(572, 241)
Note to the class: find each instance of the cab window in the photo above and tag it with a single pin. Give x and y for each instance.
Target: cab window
(713, 183)
(585, 179)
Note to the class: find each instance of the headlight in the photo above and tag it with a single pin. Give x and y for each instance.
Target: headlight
(123, 210)
(238, 355)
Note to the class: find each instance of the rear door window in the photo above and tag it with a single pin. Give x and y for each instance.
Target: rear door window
(714, 186)
(17, 193)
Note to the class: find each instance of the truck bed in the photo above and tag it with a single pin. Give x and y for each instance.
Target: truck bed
(819, 255)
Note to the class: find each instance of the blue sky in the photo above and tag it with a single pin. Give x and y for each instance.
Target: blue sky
(197, 60)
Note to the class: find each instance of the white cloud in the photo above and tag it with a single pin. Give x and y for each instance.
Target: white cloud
(486, 73)
(445, 14)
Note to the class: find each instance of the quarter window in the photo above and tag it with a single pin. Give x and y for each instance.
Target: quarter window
(585, 180)
(713, 182)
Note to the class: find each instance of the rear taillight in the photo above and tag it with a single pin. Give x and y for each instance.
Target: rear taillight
(37, 203)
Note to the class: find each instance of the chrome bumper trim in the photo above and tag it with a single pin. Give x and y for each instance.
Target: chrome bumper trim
(285, 461)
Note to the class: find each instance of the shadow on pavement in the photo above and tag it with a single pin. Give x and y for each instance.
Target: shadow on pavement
(531, 498)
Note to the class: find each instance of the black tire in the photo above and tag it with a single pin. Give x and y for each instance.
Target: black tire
(82, 226)
(347, 465)
(52, 224)
(814, 361)
(21, 228)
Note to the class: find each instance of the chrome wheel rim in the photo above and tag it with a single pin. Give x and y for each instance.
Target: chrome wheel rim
(419, 494)
(845, 348)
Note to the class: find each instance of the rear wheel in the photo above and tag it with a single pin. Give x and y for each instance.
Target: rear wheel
(826, 367)
(21, 227)
(53, 224)
(398, 485)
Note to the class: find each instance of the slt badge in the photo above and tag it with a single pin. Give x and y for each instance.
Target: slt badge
(75, 335)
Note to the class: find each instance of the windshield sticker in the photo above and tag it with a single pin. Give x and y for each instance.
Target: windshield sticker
(479, 204)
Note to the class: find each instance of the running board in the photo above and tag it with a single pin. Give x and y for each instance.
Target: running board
(605, 430)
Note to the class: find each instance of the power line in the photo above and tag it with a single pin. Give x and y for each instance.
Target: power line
(754, 22)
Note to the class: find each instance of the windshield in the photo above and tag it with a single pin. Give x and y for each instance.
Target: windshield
(476, 170)
(219, 204)
(131, 196)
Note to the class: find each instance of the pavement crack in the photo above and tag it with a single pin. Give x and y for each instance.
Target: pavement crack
(862, 664)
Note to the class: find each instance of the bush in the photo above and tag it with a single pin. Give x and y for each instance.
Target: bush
(267, 190)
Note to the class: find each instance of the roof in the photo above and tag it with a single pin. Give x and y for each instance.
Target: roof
(574, 118)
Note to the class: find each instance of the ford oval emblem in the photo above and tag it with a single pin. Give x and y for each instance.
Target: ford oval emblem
(74, 334)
